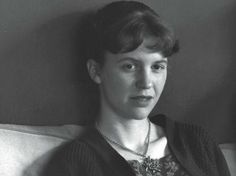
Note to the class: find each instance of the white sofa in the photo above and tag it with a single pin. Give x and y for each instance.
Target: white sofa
(24, 150)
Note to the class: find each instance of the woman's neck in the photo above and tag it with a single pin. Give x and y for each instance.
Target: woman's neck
(130, 133)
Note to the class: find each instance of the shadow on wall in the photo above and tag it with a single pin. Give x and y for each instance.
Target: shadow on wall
(44, 80)
(219, 105)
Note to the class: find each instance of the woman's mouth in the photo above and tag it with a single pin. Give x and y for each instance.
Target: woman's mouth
(142, 101)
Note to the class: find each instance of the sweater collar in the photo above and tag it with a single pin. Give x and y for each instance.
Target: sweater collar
(119, 166)
(116, 163)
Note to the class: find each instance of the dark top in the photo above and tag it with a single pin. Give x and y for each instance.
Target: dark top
(91, 155)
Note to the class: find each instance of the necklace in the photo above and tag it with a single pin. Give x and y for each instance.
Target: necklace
(147, 140)
(150, 165)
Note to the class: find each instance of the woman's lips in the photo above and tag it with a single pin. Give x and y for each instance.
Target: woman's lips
(142, 101)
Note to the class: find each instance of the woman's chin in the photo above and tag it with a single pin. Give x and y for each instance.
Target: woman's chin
(139, 114)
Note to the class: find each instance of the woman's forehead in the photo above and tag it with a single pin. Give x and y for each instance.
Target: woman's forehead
(141, 54)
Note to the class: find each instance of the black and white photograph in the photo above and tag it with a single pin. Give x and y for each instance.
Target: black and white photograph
(117, 88)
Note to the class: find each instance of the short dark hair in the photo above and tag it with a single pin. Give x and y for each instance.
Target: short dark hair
(122, 26)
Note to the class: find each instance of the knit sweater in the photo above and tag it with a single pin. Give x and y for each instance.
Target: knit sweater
(91, 155)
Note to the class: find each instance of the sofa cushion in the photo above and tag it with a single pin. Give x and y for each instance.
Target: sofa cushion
(25, 149)
(229, 151)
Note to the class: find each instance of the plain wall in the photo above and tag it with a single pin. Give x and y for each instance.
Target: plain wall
(44, 81)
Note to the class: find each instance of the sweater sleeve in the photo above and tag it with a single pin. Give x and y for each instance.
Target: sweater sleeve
(74, 159)
(215, 154)
(205, 151)
(57, 166)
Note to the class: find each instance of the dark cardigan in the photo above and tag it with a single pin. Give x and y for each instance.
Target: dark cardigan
(91, 155)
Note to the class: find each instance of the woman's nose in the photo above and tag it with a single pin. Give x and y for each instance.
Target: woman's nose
(144, 80)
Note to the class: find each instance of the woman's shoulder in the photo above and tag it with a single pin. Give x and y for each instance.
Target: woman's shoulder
(78, 147)
(184, 129)
(73, 151)
(72, 158)
(194, 133)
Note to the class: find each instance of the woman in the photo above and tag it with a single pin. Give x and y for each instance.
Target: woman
(127, 59)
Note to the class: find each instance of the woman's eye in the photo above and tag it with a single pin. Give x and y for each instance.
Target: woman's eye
(158, 67)
(129, 67)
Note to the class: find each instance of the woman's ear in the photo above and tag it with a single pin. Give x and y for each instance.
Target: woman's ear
(94, 70)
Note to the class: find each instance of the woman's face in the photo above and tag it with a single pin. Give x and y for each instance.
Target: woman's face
(131, 83)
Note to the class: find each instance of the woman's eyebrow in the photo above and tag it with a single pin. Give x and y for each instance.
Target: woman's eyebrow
(164, 60)
(128, 59)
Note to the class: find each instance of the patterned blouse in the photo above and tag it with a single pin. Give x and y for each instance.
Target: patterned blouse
(165, 166)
